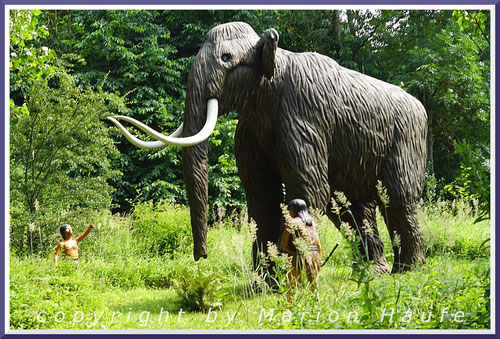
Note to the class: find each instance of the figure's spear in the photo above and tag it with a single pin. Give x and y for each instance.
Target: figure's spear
(334, 248)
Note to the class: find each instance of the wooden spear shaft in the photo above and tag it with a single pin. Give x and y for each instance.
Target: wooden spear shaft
(327, 258)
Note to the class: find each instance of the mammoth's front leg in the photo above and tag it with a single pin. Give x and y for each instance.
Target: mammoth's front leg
(264, 193)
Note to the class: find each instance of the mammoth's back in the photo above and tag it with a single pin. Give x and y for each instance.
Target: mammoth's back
(362, 119)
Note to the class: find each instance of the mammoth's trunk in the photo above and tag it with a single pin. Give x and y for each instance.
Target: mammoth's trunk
(195, 172)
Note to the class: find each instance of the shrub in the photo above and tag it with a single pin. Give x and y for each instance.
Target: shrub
(60, 151)
(450, 229)
(161, 229)
(474, 179)
(198, 287)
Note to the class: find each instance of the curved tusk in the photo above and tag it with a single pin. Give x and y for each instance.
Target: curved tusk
(173, 139)
(148, 130)
(137, 142)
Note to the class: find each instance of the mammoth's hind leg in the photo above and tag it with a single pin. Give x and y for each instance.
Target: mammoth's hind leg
(403, 177)
(406, 237)
(262, 184)
(360, 216)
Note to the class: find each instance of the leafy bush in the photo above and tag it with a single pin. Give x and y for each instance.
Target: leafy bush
(60, 158)
(198, 287)
(450, 229)
(162, 229)
(474, 179)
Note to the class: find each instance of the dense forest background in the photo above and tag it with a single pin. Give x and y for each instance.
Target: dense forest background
(70, 69)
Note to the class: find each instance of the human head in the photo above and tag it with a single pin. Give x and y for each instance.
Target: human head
(63, 230)
(299, 208)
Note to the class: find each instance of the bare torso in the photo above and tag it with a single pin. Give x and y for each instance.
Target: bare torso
(70, 248)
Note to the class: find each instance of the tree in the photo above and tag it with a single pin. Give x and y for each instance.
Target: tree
(60, 147)
(30, 60)
(448, 72)
(58, 139)
(60, 154)
(135, 52)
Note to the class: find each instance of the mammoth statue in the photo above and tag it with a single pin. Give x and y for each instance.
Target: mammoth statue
(307, 128)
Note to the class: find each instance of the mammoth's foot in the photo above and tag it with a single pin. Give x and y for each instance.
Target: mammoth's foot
(408, 263)
(378, 265)
(410, 252)
(372, 248)
(381, 267)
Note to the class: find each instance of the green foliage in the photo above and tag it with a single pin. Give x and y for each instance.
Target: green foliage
(430, 188)
(162, 229)
(451, 229)
(474, 22)
(60, 157)
(225, 190)
(35, 286)
(198, 288)
(473, 181)
(114, 276)
(449, 73)
(29, 61)
(132, 51)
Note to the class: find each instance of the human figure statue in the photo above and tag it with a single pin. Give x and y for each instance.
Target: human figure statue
(301, 240)
(70, 245)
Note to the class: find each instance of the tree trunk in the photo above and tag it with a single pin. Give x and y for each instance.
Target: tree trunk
(336, 25)
(336, 29)
(430, 144)
(430, 136)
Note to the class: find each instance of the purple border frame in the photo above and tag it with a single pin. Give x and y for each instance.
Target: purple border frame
(248, 2)
(3, 99)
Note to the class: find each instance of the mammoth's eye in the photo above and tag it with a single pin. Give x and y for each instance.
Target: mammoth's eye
(226, 57)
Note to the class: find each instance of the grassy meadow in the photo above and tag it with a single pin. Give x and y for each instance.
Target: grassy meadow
(137, 272)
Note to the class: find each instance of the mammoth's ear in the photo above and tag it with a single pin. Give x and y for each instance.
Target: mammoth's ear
(266, 51)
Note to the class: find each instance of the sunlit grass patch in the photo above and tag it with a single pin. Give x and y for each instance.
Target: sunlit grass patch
(118, 287)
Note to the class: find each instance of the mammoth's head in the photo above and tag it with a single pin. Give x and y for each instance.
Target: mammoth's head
(231, 59)
(232, 53)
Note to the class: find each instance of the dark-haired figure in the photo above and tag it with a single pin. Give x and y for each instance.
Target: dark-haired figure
(70, 245)
(309, 252)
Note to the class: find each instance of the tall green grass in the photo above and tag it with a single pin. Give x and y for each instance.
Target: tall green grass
(123, 272)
